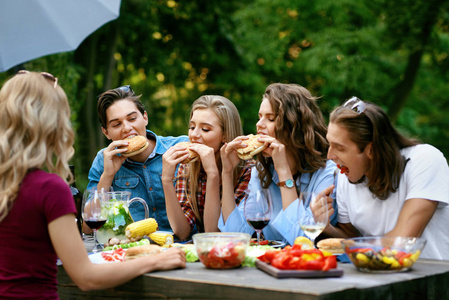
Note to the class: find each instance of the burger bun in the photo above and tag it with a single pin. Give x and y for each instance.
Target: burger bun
(254, 147)
(136, 144)
(193, 156)
(140, 251)
(332, 245)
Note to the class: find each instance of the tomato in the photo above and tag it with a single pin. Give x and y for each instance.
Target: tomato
(116, 255)
(293, 258)
(330, 262)
(223, 256)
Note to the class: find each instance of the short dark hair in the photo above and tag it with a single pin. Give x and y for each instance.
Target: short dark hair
(106, 99)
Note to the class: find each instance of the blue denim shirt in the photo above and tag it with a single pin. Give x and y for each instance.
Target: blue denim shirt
(141, 179)
(284, 224)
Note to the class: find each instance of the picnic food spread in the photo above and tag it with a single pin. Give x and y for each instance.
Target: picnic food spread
(254, 147)
(137, 144)
(193, 156)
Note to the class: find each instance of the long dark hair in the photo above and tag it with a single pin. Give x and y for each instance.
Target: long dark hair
(300, 126)
(374, 126)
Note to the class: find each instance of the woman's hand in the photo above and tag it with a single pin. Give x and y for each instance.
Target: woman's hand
(228, 153)
(171, 258)
(206, 155)
(171, 158)
(276, 150)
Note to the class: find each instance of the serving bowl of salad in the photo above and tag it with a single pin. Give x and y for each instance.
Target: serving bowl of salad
(383, 254)
(221, 250)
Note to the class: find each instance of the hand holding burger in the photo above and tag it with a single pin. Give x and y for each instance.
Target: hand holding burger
(254, 147)
(193, 156)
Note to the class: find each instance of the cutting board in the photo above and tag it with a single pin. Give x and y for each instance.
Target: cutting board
(275, 272)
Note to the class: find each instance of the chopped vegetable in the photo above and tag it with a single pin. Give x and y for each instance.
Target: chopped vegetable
(294, 258)
(253, 252)
(383, 259)
(142, 242)
(223, 256)
(116, 255)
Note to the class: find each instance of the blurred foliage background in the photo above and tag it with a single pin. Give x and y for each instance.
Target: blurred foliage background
(393, 53)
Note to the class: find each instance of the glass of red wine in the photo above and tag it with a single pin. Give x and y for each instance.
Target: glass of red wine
(93, 213)
(258, 208)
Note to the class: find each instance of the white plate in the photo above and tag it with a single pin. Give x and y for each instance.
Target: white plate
(96, 258)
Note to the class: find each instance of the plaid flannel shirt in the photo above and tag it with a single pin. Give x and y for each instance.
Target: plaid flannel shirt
(182, 190)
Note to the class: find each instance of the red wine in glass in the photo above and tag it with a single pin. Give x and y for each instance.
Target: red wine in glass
(257, 209)
(94, 223)
(258, 224)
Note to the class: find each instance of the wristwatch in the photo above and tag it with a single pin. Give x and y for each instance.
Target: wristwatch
(289, 183)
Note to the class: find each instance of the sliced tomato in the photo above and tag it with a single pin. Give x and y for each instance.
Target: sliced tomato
(330, 262)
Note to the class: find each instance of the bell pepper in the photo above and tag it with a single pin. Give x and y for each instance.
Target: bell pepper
(294, 258)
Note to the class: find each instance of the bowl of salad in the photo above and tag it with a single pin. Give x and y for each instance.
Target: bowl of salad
(221, 250)
(383, 254)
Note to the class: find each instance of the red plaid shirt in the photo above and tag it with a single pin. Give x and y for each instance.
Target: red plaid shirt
(183, 189)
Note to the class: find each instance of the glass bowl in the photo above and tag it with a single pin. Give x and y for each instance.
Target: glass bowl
(221, 250)
(383, 254)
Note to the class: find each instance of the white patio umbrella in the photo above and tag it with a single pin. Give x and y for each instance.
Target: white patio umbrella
(33, 28)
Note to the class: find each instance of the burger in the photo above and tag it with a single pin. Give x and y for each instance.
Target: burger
(332, 245)
(136, 144)
(254, 147)
(140, 251)
(193, 156)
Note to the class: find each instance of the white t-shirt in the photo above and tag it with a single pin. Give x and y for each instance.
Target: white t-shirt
(426, 176)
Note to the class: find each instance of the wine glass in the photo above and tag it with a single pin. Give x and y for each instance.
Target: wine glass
(313, 223)
(93, 213)
(258, 208)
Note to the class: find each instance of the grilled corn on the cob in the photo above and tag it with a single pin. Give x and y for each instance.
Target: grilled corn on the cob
(137, 230)
(162, 239)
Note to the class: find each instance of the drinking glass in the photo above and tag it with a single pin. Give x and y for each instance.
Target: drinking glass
(258, 208)
(313, 223)
(93, 213)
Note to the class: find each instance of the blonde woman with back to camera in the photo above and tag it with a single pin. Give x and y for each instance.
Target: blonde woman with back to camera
(35, 146)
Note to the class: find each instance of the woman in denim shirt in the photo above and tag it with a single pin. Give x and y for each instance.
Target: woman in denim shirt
(293, 127)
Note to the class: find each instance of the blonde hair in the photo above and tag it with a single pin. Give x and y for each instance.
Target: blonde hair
(231, 125)
(35, 133)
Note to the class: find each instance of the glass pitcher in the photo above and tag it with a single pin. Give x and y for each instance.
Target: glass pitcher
(118, 215)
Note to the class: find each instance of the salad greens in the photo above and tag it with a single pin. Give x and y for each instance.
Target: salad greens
(142, 242)
(191, 254)
(253, 252)
(118, 217)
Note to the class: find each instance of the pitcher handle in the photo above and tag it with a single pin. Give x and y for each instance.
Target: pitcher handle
(145, 205)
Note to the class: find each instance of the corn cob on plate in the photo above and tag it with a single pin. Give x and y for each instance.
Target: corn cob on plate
(137, 230)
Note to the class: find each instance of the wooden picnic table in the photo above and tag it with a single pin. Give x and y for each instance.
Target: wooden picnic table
(428, 279)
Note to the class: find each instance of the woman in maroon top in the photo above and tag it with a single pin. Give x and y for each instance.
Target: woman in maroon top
(37, 211)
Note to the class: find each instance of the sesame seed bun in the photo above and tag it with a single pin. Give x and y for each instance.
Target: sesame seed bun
(137, 144)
